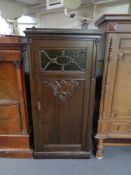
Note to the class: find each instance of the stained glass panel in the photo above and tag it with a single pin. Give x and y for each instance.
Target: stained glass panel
(63, 59)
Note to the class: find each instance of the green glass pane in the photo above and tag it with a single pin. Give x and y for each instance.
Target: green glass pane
(63, 59)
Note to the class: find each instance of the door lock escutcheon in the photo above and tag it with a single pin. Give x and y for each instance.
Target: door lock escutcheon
(38, 106)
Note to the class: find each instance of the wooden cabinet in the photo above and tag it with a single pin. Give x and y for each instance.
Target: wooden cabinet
(115, 110)
(14, 136)
(62, 76)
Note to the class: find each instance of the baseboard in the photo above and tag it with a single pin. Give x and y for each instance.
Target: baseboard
(15, 146)
(117, 142)
(62, 155)
(16, 153)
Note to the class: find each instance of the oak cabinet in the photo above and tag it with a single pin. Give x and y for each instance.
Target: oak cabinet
(62, 76)
(115, 111)
(14, 132)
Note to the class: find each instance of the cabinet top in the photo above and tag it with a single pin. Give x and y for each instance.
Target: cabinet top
(9, 39)
(39, 32)
(113, 18)
(10, 42)
(118, 23)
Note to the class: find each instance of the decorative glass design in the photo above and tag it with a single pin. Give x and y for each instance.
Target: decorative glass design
(63, 59)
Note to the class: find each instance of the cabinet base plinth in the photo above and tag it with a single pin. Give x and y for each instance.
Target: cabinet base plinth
(62, 155)
(15, 146)
(15, 153)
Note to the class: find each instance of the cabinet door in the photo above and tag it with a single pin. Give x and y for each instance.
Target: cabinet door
(61, 80)
(121, 100)
(117, 85)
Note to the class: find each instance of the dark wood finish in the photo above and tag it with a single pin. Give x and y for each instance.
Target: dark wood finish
(62, 101)
(115, 110)
(14, 131)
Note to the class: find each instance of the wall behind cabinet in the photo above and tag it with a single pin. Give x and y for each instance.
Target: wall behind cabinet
(59, 20)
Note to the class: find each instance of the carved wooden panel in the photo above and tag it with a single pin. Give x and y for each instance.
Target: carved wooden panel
(63, 88)
(63, 116)
(116, 127)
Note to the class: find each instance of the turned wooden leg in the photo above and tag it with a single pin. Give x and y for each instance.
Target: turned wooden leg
(100, 146)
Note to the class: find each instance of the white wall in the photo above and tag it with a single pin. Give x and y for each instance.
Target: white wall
(4, 27)
(59, 20)
(114, 9)
(11, 10)
(25, 22)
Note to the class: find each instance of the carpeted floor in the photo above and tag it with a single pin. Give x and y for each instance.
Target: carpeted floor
(117, 161)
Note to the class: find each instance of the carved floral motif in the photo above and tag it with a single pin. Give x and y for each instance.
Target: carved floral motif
(63, 88)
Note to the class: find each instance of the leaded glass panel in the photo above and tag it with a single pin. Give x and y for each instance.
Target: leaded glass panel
(63, 59)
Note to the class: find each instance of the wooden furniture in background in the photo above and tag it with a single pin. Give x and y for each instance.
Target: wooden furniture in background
(14, 131)
(115, 111)
(62, 76)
